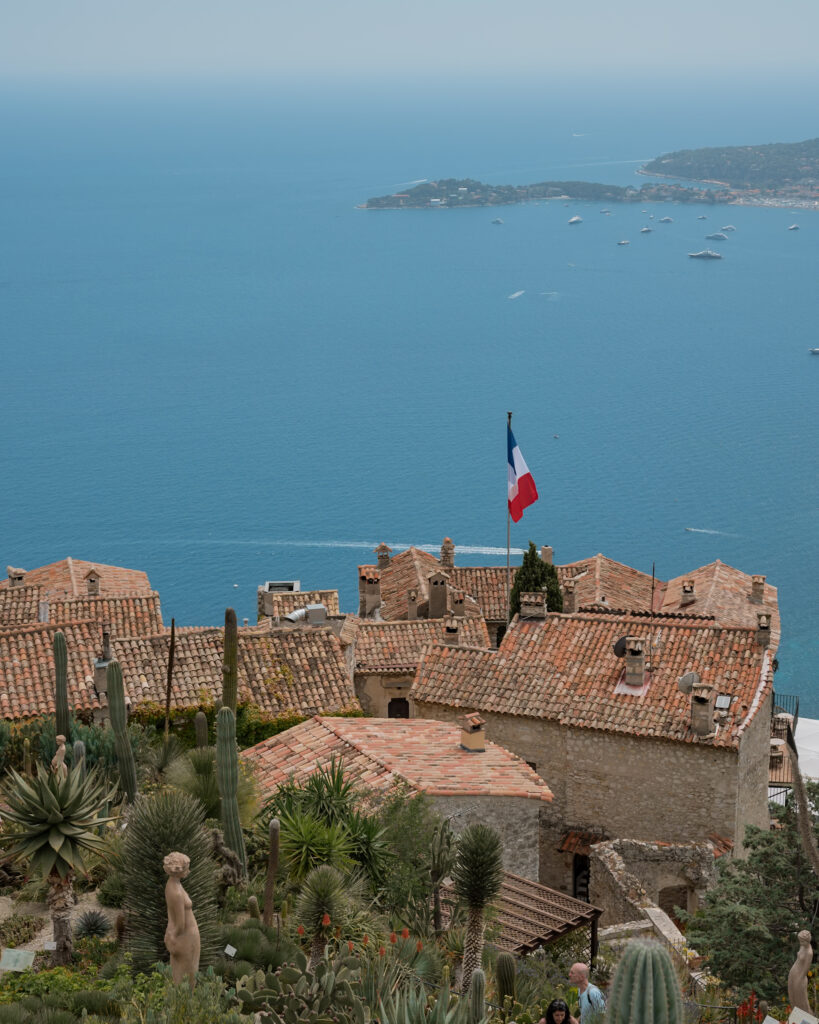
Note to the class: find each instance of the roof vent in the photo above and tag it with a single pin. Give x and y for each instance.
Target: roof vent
(757, 589)
(16, 576)
(547, 554)
(687, 682)
(473, 737)
(688, 595)
(316, 614)
(452, 632)
(412, 604)
(282, 586)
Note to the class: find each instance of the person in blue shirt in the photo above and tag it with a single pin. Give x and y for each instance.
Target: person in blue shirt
(592, 1000)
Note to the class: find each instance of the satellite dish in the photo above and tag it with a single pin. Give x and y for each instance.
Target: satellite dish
(687, 682)
(620, 647)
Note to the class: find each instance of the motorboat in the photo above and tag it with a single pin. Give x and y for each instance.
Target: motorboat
(793, 227)
(717, 236)
(624, 241)
(576, 220)
(706, 254)
(646, 231)
(666, 220)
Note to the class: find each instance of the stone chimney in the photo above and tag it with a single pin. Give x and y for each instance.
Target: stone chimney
(458, 603)
(42, 611)
(635, 662)
(101, 664)
(412, 604)
(547, 554)
(452, 632)
(92, 583)
(568, 597)
(17, 577)
(533, 605)
(763, 628)
(369, 592)
(447, 554)
(383, 552)
(688, 595)
(438, 595)
(757, 589)
(473, 737)
(702, 709)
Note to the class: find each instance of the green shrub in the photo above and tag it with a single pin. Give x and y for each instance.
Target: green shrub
(111, 892)
(19, 928)
(92, 924)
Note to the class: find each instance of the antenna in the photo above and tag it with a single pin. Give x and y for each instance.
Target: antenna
(687, 682)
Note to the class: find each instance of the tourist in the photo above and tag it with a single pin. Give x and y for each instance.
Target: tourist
(592, 1000)
(557, 1012)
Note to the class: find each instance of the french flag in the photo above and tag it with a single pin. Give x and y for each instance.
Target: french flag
(522, 490)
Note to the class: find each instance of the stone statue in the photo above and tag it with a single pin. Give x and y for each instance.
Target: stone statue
(58, 765)
(798, 976)
(182, 933)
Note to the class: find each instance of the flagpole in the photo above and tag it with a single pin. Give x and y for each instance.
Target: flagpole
(508, 525)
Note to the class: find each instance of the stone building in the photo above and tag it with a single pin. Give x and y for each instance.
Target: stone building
(596, 703)
(467, 778)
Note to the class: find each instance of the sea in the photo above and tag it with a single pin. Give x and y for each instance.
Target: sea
(218, 369)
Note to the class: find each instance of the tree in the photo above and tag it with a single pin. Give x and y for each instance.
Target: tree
(534, 575)
(56, 821)
(747, 928)
(477, 874)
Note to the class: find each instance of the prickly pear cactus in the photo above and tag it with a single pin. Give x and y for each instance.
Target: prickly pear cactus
(293, 993)
(119, 723)
(61, 685)
(227, 778)
(230, 661)
(645, 988)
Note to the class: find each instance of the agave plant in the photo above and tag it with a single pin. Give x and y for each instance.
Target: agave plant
(56, 820)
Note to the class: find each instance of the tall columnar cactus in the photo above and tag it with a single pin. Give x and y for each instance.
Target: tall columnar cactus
(79, 757)
(27, 756)
(506, 973)
(61, 676)
(645, 988)
(200, 725)
(119, 723)
(477, 997)
(227, 777)
(230, 662)
(272, 870)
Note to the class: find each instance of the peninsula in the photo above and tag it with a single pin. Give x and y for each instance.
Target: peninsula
(779, 174)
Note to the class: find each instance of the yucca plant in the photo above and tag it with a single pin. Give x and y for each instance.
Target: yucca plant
(321, 907)
(56, 823)
(477, 874)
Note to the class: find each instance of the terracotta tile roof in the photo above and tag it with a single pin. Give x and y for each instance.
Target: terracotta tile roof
(564, 669)
(281, 604)
(486, 584)
(67, 579)
(579, 842)
(408, 570)
(601, 582)
(396, 646)
(127, 616)
(724, 592)
(376, 751)
(721, 844)
(18, 605)
(530, 915)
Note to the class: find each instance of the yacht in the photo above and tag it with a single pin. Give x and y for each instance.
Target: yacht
(702, 217)
(497, 220)
(728, 227)
(706, 254)
(646, 231)
(623, 242)
(576, 220)
(666, 220)
(717, 236)
(814, 351)
(793, 227)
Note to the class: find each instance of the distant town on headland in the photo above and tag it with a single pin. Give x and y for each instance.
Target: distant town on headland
(779, 174)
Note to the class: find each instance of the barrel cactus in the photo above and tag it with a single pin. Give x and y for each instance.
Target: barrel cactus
(230, 661)
(645, 988)
(227, 777)
(61, 687)
(506, 975)
(477, 997)
(119, 723)
(200, 724)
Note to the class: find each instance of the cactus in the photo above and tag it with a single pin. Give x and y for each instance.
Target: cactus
(253, 908)
(230, 662)
(27, 756)
(227, 777)
(477, 997)
(200, 724)
(505, 971)
(272, 870)
(294, 992)
(79, 756)
(645, 988)
(119, 723)
(61, 675)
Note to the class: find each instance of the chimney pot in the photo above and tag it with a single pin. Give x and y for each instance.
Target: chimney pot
(635, 662)
(473, 737)
(412, 604)
(757, 589)
(16, 576)
(763, 628)
(533, 605)
(438, 595)
(688, 594)
(568, 596)
(447, 553)
(452, 632)
(547, 554)
(383, 553)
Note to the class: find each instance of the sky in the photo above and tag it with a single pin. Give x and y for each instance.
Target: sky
(43, 39)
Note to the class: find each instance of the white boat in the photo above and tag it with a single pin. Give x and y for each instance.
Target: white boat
(814, 351)
(515, 295)
(666, 220)
(706, 254)
(717, 236)
(576, 220)
(646, 231)
(623, 242)
(497, 220)
(793, 227)
(702, 217)
(728, 227)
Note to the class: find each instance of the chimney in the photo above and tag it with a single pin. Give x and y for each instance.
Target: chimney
(42, 611)
(438, 595)
(547, 554)
(383, 553)
(245, 622)
(757, 589)
(412, 605)
(568, 596)
(702, 709)
(635, 662)
(106, 641)
(688, 596)
(369, 592)
(473, 737)
(458, 603)
(452, 632)
(763, 628)
(16, 576)
(101, 663)
(447, 554)
(533, 605)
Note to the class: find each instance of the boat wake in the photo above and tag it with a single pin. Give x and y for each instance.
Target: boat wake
(361, 545)
(716, 533)
(515, 295)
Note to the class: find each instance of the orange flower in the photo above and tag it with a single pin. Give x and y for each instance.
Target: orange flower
(366, 939)
(405, 933)
(419, 946)
(393, 938)
(300, 929)
(381, 951)
(349, 945)
(325, 921)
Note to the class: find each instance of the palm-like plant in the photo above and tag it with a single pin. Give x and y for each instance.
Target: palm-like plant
(477, 874)
(306, 842)
(322, 904)
(56, 820)
(441, 863)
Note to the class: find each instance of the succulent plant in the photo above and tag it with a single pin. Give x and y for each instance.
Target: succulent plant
(200, 724)
(253, 908)
(79, 756)
(227, 776)
(93, 924)
(230, 661)
(27, 757)
(506, 976)
(61, 687)
(645, 989)
(119, 723)
(274, 829)
(477, 996)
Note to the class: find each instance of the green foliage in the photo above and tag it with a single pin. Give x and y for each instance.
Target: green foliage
(771, 166)
(208, 1002)
(63, 718)
(195, 773)
(227, 777)
(307, 842)
(159, 824)
(505, 977)
(92, 924)
(119, 723)
(478, 870)
(19, 928)
(645, 989)
(257, 947)
(230, 661)
(78, 756)
(747, 924)
(56, 819)
(477, 996)
(533, 575)
(200, 724)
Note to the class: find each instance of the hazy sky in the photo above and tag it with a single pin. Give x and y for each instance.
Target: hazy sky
(425, 37)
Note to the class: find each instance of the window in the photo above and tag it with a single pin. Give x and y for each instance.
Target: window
(398, 707)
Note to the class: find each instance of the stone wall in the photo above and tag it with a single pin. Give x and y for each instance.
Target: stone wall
(754, 760)
(514, 817)
(375, 691)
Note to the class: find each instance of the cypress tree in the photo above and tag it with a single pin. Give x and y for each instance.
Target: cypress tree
(534, 575)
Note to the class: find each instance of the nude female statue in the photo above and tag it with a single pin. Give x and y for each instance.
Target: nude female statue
(798, 976)
(58, 765)
(182, 933)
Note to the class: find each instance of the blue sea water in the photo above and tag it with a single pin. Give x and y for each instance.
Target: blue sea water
(215, 368)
